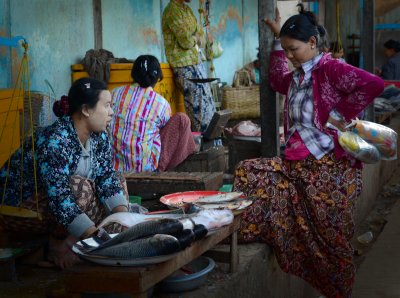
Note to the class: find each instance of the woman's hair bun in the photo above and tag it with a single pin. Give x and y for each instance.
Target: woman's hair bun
(61, 106)
(321, 30)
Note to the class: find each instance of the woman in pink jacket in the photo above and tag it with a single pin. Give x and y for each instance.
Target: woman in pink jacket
(306, 198)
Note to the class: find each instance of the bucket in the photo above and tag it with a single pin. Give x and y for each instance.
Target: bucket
(189, 277)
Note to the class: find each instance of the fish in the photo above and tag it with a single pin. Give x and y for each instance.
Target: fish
(156, 245)
(218, 198)
(211, 219)
(144, 229)
(129, 219)
(225, 205)
(232, 205)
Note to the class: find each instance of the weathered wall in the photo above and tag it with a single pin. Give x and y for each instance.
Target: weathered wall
(60, 32)
(5, 75)
(132, 28)
(349, 22)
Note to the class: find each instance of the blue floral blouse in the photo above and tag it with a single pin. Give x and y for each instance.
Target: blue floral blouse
(58, 151)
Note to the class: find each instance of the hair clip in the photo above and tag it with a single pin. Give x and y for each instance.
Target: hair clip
(155, 72)
(292, 26)
(87, 85)
(145, 64)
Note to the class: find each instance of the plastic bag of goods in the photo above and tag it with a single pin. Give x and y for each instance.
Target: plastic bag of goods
(358, 148)
(382, 137)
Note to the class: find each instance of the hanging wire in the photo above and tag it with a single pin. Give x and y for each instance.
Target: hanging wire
(338, 35)
(22, 84)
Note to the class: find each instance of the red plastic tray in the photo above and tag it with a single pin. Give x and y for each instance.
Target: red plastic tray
(396, 83)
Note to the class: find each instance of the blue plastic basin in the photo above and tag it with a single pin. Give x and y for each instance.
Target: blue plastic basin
(179, 281)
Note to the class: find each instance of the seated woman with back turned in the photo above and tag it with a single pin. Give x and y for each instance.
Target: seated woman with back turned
(77, 181)
(305, 199)
(145, 136)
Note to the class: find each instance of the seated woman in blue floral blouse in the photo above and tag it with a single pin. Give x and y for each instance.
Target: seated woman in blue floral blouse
(76, 178)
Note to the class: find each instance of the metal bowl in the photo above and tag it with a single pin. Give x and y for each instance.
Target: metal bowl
(181, 280)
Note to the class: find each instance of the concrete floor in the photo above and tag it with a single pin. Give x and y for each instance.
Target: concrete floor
(379, 273)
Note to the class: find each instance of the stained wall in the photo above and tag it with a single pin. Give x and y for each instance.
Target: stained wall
(60, 32)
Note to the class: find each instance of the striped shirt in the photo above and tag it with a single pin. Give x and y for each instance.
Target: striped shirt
(139, 114)
(179, 27)
(303, 136)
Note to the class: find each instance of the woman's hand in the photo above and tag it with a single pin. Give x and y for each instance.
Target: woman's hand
(340, 124)
(378, 72)
(274, 25)
(120, 209)
(63, 255)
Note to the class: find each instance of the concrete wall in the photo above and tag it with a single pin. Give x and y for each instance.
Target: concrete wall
(60, 32)
(375, 176)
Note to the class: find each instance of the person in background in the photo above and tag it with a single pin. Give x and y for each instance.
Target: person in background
(145, 136)
(391, 69)
(253, 69)
(183, 37)
(305, 199)
(77, 184)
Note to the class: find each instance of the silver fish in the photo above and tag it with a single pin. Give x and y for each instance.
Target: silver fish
(128, 219)
(232, 205)
(218, 198)
(156, 245)
(144, 229)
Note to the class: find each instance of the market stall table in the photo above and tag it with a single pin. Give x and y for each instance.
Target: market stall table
(92, 278)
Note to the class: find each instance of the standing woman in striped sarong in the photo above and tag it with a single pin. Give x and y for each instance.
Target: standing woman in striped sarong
(146, 137)
(183, 37)
(306, 198)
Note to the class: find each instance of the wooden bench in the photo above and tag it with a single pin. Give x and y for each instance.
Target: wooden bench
(93, 278)
(170, 182)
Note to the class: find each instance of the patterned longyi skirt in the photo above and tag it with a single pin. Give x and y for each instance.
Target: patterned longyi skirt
(304, 211)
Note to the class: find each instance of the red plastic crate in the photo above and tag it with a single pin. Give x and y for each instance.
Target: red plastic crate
(396, 83)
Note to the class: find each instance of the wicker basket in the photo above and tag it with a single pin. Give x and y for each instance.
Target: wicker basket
(243, 101)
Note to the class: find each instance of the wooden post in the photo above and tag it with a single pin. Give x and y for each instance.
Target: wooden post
(98, 25)
(367, 46)
(268, 102)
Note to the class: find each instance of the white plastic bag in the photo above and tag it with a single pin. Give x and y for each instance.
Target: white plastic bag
(382, 137)
(358, 148)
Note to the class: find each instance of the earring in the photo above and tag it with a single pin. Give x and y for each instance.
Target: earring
(312, 47)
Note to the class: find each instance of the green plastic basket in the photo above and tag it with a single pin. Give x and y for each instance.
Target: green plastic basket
(135, 199)
(226, 188)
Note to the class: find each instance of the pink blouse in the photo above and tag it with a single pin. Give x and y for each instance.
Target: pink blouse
(336, 85)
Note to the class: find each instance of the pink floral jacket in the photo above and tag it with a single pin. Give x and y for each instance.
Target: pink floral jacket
(336, 85)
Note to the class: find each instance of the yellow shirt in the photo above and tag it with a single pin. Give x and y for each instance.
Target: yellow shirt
(179, 26)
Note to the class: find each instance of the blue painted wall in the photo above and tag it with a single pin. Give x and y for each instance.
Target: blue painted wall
(60, 32)
(132, 28)
(5, 52)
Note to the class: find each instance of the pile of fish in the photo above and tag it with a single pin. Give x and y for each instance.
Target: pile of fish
(150, 236)
(229, 200)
